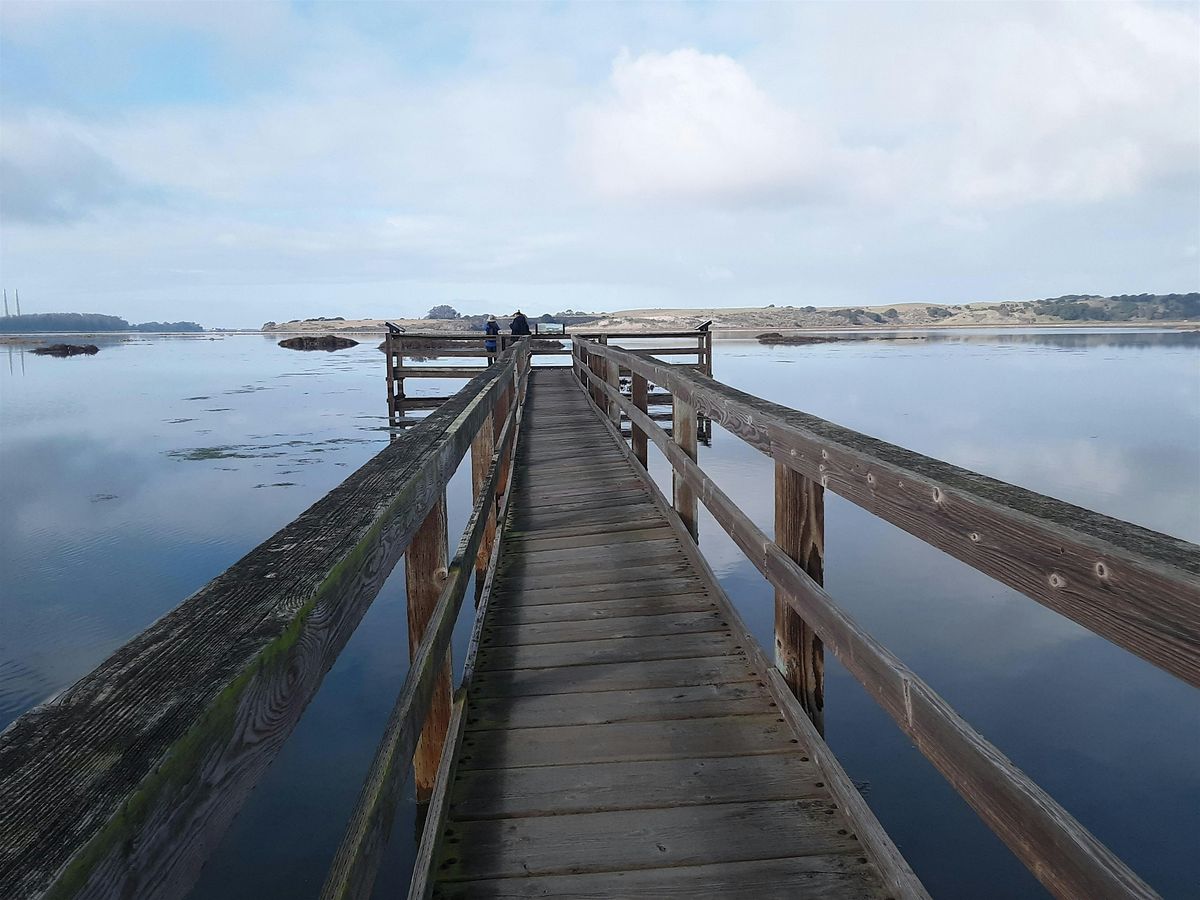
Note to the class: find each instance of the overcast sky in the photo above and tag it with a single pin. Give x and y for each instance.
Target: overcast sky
(236, 163)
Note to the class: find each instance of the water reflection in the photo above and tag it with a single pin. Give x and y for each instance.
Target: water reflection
(128, 484)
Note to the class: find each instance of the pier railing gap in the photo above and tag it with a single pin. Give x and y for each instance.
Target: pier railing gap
(1137, 588)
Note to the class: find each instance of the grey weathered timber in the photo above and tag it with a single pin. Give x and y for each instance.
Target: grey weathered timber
(615, 723)
(639, 392)
(800, 533)
(481, 460)
(1056, 848)
(190, 713)
(683, 425)
(1138, 588)
(356, 861)
(425, 571)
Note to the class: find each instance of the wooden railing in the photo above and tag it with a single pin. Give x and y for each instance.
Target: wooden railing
(121, 785)
(1138, 588)
(451, 345)
(422, 716)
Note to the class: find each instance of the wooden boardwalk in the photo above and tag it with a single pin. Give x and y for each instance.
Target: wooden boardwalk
(621, 740)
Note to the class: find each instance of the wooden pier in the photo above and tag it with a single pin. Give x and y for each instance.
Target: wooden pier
(617, 730)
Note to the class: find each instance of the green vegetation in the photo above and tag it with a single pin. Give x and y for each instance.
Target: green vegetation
(35, 323)
(443, 311)
(1123, 308)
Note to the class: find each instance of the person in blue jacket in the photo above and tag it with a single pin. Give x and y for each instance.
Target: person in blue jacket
(491, 328)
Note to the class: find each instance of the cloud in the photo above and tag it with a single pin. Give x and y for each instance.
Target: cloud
(839, 154)
(50, 176)
(693, 126)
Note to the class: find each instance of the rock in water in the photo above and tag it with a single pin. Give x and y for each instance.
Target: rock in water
(326, 342)
(774, 337)
(67, 350)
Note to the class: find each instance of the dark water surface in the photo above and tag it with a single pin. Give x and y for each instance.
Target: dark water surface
(130, 479)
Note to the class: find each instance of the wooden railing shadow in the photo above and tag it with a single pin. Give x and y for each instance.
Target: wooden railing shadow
(1135, 587)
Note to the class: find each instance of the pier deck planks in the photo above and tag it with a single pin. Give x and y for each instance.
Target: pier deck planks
(620, 740)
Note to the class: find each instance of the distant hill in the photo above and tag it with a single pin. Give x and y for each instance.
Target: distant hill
(1081, 309)
(1074, 309)
(84, 322)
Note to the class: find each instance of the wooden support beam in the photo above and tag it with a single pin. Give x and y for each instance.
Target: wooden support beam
(481, 462)
(424, 574)
(637, 436)
(683, 429)
(612, 376)
(800, 533)
(403, 372)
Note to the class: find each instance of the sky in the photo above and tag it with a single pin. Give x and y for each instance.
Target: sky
(233, 163)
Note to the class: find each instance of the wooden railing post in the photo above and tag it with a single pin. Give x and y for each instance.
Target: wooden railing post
(683, 427)
(612, 375)
(637, 437)
(425, 568)
(391, 386)
(800, 533)
(481, 461)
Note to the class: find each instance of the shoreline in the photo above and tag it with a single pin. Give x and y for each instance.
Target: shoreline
(732, 332)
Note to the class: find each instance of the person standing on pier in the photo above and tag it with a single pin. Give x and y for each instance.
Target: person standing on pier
(492, 328)
(520, 324)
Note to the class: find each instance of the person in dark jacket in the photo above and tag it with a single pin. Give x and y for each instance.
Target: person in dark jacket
(520, 325)
(491, 328)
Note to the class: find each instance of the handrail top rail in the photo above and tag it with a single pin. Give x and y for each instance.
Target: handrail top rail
(759, 416)
(1133, 586)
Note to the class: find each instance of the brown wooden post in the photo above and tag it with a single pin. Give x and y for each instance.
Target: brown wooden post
(800, 533)
(398, 344)
(612, 375)
(391, 387)
(683, 428)
(481, 461)
(637, 437)
(708, 353)
(424, 574)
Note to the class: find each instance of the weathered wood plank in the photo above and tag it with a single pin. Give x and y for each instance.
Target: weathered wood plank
(609, 556)
(840, 877)
(800, 533)
(515, 596)
(425, 564)
(622, 741)
(650, 838)
(683, 431)
(605, 629)
(641, 784)
(649, 520)
(613, 676)
(602, 707)
(605, 609)
(582, 653)
(588, 540)
(540, 579)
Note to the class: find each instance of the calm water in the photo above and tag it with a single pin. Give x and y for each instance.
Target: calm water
(129, 479)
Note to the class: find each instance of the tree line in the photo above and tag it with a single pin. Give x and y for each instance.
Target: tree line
(33, 323)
